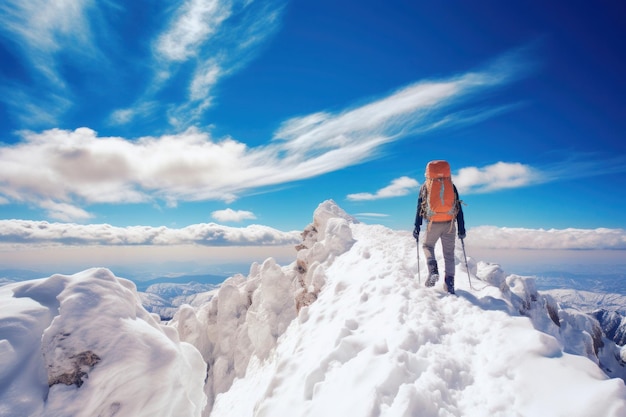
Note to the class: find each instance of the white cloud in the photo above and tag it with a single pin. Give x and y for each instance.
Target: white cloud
(194, 22)
(229, 215)
(78, 167)
(33, 233)
(27, 233)
(64, 212)
(501, 175)
(367, 127)
(127, 115)
(570, 239)
(398, 188)
(417, 108)
(205, 78)
(122, 116)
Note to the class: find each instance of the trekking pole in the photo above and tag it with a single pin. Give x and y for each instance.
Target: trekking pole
(466, 266)
(419, 278)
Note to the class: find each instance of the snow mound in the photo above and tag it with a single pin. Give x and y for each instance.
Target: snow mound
(246, 316)
(82, 345)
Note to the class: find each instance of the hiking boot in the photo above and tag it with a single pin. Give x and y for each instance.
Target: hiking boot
(448, 284)
(433, 274)
(432, 280)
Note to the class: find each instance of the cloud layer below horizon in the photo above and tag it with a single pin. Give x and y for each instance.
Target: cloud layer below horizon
(564, 239)
(39, 233)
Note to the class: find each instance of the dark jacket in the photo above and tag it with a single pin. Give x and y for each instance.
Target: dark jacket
(460, 220)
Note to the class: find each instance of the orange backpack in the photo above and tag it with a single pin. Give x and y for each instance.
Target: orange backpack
(440, 204)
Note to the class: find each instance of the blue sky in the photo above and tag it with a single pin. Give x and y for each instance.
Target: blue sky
(174, 114)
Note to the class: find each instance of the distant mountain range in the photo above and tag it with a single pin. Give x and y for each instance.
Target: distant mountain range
(207, 279)
(600, 281)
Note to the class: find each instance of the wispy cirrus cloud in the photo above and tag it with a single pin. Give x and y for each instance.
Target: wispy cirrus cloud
(76, 168)
(191, 25)
(65, 211)
(217, 37)
(201, 42)
(398, 188)
(41, 30)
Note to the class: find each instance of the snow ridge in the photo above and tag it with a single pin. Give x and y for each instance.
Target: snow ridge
(246, 316)
(375, 343)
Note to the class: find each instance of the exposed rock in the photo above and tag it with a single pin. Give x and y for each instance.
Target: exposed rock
(80, 363)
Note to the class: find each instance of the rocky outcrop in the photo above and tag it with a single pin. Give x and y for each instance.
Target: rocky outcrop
(78, 367)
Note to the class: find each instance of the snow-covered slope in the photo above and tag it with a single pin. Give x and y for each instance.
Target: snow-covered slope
(83, 346)
(346, 329)
(613, 325)
(609, 309)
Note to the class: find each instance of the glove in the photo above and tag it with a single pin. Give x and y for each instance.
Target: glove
(416, 233)
(462, 235)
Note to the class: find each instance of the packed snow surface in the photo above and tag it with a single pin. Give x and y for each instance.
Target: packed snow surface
(347, 329)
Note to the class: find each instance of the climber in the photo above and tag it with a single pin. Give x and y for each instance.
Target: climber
(439, 204)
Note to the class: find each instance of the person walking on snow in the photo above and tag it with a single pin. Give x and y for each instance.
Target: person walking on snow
(439, 204)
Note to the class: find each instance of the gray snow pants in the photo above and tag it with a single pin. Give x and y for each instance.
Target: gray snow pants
(446, 231)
